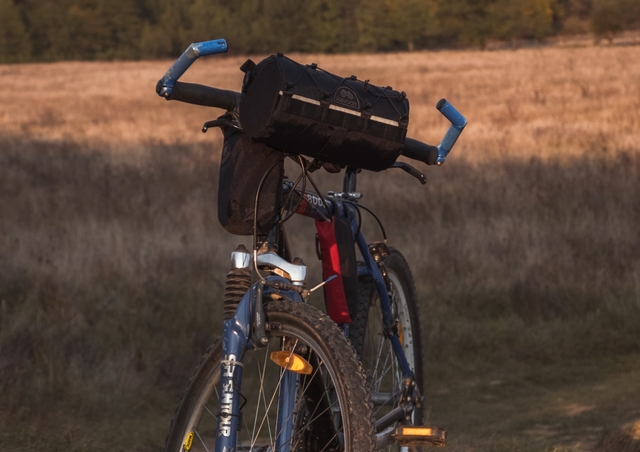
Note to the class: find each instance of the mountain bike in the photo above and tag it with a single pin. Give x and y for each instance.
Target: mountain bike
(285, 376)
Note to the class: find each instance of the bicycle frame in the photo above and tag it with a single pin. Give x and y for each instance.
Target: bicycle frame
(322, 208)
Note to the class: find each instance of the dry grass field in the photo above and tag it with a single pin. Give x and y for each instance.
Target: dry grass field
(550, 103)
(524, 246)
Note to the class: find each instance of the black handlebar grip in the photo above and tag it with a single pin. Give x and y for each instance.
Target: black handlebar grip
(418, 150)
(206, 96)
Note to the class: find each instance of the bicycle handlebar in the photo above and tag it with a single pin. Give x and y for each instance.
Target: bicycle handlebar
(417, 150)
(180, 66)
(169, 88)
(458, 123)
(435, 155)
(206, 96)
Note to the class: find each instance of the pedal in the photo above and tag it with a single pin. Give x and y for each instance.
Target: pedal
(413, 436)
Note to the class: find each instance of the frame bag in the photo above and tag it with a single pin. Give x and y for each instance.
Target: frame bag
(305, 110)
(243, 165)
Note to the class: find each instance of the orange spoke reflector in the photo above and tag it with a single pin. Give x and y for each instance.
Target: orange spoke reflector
(291, 361)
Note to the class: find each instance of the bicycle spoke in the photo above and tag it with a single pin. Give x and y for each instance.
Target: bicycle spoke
(211, 413)
(201, 440)
(261, 398)
(374, 376)
(318, 417)
(275, 392)
(327, 445)
(385, 367)
(302, 399)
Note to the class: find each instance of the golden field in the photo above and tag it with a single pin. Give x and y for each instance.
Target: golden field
(548, 102)
(524, 245)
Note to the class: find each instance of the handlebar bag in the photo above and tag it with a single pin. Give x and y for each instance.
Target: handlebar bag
(302, 109)
(245, 167)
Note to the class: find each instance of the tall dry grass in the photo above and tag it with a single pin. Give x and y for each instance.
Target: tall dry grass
(524, 245)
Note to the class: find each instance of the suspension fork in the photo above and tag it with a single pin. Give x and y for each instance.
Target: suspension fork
(236, 338)
(235, 335)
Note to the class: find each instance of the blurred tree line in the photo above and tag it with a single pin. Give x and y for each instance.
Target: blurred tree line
(46, 30)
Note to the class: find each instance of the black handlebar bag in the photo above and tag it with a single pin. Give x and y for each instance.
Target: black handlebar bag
(305, 110)
(248, 169)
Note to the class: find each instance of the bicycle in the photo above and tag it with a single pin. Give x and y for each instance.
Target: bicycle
(321, 397)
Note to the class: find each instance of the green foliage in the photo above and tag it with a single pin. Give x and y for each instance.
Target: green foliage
(327, 24)
(609, 17)
(410, 22)
(47, 30)
(522, 19)
(14, 40)
(465, 22)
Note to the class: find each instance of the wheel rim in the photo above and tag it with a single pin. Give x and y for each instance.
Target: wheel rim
(401, 306)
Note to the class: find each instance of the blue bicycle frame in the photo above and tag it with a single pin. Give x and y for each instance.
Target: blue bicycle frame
(346, 210)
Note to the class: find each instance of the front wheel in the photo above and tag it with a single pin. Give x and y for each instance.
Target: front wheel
(331, 405)
(368, 336)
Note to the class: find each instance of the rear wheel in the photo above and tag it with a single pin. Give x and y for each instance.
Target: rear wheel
(331, 407)
(367, 334)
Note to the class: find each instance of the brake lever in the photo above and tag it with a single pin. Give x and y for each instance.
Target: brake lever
(411, 170)
(220, 122)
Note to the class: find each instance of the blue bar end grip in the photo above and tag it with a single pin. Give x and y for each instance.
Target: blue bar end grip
(458, 123)
(210, 47)
(184, 62)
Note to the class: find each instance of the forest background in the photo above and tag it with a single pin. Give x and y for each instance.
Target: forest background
(34, 30)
